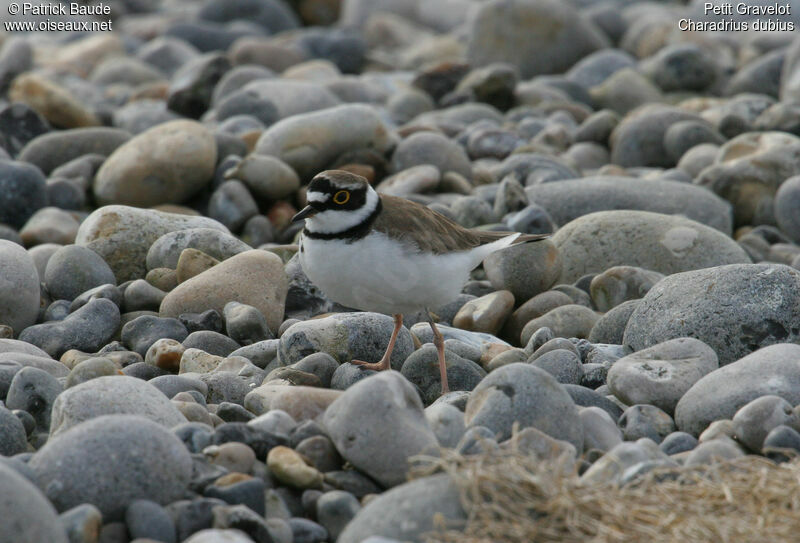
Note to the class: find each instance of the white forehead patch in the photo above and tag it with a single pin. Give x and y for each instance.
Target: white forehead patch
(319, 197)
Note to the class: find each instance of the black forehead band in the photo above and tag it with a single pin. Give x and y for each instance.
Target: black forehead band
(321, 184)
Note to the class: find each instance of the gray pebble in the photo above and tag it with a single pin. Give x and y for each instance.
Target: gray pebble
(648, 421)
(140, 333)
(147, 519)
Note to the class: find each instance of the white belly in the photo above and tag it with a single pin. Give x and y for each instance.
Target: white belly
(377, 274)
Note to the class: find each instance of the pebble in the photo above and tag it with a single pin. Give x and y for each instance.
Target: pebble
(767, 157)
(512, 269)
(645, 421)
(781, 439)
(722, 306)
(54, 149)
(507, 33)
(564, 365)
(192, 263)
(320, 364)
(600, 431)
(714, 451)
(447, 423)
(253, 277)
(755, 420)
(74, 269)
(245, 324)
(211, 342)
(343, 337)
(434, 149)
(232, 205)
(124, 445)
(29, 515)
(307, 531)
(786, 202)
(526, 395)
(610, 327)
(321, 138)
(678, 442)
(620, 284)
(376, 436)
(91, 368)
(165, 251)
(421, 368)
(321, 452)
(13, 435)
(149, 520)
(638, 140)
(49, 225)
(412, 504)
(51, 101)
(142, 332)
(533, 308)
(236, 489)
(288, 467)
(719, 395)
(82, 523)
(656, 242)
(660, 375)
(122, 235)
(611, 466)
(569, 320)
(301, 402)
(267, 177)
(86, 329)
(111, 395)
(19, 295)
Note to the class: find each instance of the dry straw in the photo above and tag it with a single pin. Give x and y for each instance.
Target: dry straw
(510, 497)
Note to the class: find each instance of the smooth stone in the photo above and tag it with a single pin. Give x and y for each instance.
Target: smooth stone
(254, 277)
(210, 342)
(122, 235)
(232, 205)
(236, 489)
(638, 140)
(13, 436)
(146, 460)
(421, 368)
(780, 440)
(142, 296)
(23, 192)
(525, 270)
(678, 442)
(292, 97)
(322, 365)
(181, 157)
(147, 519)
(109, 395)
(682, 67)
(191, 86)
(34, 390)
(772, 370)
(82, 523)
(533, 308)
(610, 467)
(755, 420)
(476, 441)
(166, 250)
(245, 324)
(29, 515)
(74, 269)
(620, 284)
(564, 365)
(343, 337)
(263, 354)
(565, 321)
(49, 225)
(86, 329)
(307, 531)
(267, 177)
(521, 393)
(787, 200)
(624, 91)
(347, 374)
(288, 467)
(713, 452)
(142, 332)
(193, 515)
(19, 295)
(447, 423)
(419, 179)
(192, 263)
(725, 307)
(748, 171)
(310, 141)
(661, 243)
(214, 535)
(511, 31)
(645, 421)
(361, 420)
(610, 327)
(57, 148)
(434, 149)
(52, 101)
(660, 375)
(301, 402)
(335, 509)
(600, 431)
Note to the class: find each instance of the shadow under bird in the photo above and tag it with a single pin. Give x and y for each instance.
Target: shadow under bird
(388, 255)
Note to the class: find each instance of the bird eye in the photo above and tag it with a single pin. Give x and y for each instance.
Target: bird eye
(341, 197)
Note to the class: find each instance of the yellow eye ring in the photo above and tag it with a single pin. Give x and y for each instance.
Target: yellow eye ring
(341, 197)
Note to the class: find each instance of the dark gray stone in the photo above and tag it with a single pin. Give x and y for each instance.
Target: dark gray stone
(140, 333)
(147, 519)
(34, 391)
(422, 369)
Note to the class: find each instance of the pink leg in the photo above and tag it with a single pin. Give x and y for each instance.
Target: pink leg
(438, 341)
(384, 364)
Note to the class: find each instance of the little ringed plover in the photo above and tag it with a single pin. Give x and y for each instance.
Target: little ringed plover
(387, 254)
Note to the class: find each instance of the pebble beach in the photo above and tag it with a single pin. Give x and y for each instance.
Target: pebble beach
(168, 373)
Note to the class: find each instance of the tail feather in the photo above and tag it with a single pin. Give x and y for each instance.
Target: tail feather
(490, 237)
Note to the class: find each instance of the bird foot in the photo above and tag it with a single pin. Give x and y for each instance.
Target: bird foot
(377, 366)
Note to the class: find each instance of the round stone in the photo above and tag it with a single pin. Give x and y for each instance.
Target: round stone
(110, 462)
(74, 269)
(27, 513)
(22, 192)
(787, 202)
(19, 287)
(525, 270)
(165, 164)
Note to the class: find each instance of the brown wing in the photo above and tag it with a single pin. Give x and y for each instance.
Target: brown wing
(431, 232)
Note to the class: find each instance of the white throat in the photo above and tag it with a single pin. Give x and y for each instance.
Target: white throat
(332, 221)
